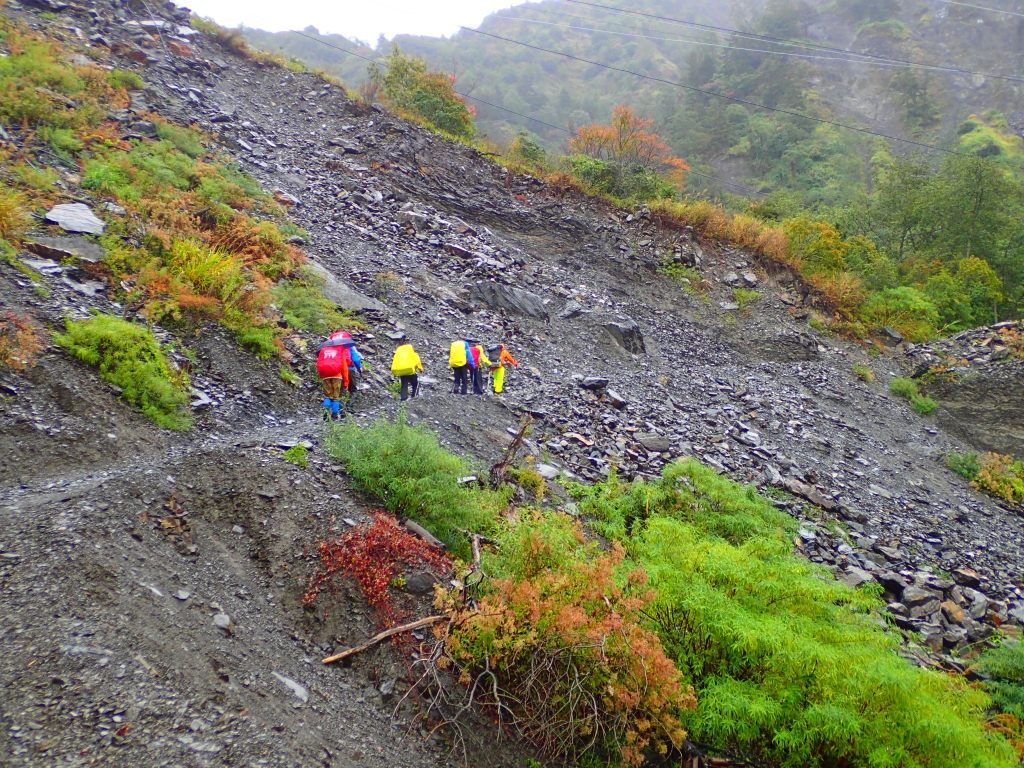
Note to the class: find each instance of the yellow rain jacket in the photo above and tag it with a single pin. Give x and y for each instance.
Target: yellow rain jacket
(405, 362)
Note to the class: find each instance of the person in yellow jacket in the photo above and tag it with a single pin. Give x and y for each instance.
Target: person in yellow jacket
(404, 365)
(501, 356)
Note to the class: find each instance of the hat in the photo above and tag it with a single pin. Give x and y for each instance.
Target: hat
(472, 341)
(494, 348)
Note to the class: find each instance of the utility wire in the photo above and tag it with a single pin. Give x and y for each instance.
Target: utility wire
(726, 46)
(734, 99)
(382, 64)
(506, 109)
(796, 43)
(982, 8)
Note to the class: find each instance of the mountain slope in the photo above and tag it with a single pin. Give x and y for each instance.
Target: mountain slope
(453, 246)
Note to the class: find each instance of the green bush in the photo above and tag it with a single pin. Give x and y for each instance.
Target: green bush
(790, 667)
(302, 303)
(1005, 665)
(864, 373)
(415, 477)
(909, 389)
(965, 463)
(184, 140)
(297, 455)
(129, 357)
(122, 78)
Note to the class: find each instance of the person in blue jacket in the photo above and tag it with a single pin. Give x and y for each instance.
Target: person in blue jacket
(460, 358)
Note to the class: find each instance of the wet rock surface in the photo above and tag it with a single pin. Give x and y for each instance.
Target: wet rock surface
(978, 378)
(618, 366)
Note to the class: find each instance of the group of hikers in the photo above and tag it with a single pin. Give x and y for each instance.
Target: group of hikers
(339, 364)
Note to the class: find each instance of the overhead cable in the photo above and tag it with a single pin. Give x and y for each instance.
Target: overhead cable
(734, 99)
(789, 42)
(982, 8)
(728, 47)
(506, 109)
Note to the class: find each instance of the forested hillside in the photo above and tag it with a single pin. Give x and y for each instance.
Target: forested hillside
(853, 123)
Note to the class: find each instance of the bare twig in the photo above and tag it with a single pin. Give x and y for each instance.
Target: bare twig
(381, 636)
(499, 470)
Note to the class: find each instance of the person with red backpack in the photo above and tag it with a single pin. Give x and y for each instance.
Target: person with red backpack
(333, 360)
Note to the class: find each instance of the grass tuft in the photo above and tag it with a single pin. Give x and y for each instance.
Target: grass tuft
(909, 389)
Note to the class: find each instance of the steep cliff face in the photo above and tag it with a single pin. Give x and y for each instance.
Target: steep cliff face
(115, 594)
(978, 378)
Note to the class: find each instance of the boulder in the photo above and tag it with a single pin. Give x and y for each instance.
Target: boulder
(76, 217)
(512, 300)
(346, 298)
(571, 309)
(67, 247)
(655, 443)
(626, 334)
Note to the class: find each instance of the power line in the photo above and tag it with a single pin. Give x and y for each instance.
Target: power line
(796, 43)
(733, 99)
(721, 45)
(506, 109)
(982, 8)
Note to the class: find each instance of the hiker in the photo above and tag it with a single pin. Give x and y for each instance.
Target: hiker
(333, 361)
(479, 361)
(501, 356)
(355, 362)
(460, 358)
(404, 365)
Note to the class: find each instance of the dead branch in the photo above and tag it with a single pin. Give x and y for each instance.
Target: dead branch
(381, 636)
(499, 470)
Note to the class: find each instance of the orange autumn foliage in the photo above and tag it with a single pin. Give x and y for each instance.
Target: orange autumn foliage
(628, 142)
(563, 656)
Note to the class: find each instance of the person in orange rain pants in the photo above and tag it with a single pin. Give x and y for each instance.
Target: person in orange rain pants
(501, 356)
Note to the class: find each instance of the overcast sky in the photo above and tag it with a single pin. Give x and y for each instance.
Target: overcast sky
(363, 19)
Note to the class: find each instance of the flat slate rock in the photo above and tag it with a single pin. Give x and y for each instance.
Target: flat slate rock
(65, 247)
(76, 217)
(346, 298)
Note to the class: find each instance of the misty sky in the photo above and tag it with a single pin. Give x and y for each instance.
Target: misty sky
(362, 19)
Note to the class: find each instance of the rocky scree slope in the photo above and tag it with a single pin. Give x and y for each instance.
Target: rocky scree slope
(618, 363)
(619, 366)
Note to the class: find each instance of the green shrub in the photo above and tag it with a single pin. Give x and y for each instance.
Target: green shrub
(965, 463)
(864, 373)
(909, 389)
(297, 455)
(129, 357)
(303, 306)
(1005, 665)
(789, 666)
(744, 298)
(184, 140)
(415, 477)
(904, 387)
(121, 78)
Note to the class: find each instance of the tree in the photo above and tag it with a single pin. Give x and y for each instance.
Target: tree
(627, 156)
(408, 85)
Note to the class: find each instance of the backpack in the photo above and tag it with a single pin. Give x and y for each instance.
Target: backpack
(457, 357)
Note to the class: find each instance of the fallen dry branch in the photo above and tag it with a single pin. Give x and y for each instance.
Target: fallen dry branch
(381, 636)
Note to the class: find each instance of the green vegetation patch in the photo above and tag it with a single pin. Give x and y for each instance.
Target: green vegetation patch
(909, 389)
(129, 357)
(788, 666)
(406, 467)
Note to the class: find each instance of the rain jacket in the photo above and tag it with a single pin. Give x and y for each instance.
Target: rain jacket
(461, 355)
(503, 358)
(333, 361)
(479, 356)
(405, 362)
